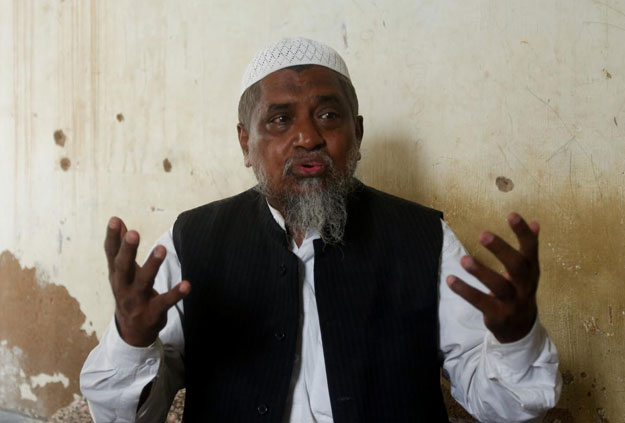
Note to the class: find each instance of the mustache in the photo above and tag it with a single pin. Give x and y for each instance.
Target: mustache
(319, 156)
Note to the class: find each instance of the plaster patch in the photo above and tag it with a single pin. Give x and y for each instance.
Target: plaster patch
(26, 393)
(10, 374)
(43, 379)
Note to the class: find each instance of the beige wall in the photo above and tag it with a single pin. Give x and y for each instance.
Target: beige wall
(454, 93)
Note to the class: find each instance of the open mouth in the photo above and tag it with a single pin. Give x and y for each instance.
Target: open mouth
(309, 168)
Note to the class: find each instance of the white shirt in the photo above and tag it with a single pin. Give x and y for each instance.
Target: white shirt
(514, 382)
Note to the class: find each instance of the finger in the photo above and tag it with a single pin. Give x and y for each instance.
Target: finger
(535, 227)
(168, 299)
(528, 239)
(516, 264)
(144, 279)
(494, 281)
(112, 241)
(125, 264)
(479, 300)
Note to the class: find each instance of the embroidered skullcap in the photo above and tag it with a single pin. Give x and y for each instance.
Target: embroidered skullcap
(292, 52)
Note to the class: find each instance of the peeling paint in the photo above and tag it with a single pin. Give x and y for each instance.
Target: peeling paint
(43, 379)
(26, 393)
(41, 354)
(591, 326)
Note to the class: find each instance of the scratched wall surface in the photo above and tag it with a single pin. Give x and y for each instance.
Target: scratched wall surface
(475, 107)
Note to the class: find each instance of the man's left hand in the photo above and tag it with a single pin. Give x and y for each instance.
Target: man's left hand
(510, 308)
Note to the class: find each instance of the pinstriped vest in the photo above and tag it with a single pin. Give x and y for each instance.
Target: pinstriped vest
(377, 298)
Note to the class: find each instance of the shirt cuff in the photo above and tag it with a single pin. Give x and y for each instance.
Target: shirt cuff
(516, 357)
(126, 355)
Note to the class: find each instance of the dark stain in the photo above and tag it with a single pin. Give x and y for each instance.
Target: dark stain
(344, 31)
(384, 24)
(59, 137)
(610, 314)
(65, 163)
(615, 122)
(504, 184)
(44, 321)
(607, 74)
(120, 117)
(583, 374)
(567, 377)
(559, 415)
(167, 165)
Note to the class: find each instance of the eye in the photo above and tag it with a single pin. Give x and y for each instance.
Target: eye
(279, 120)
(329, 115)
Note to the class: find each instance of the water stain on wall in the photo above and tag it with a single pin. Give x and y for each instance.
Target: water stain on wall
(40, 330)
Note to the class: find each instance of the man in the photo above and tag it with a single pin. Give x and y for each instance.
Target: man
(313, 298)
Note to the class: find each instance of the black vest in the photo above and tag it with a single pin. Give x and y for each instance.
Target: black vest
(377, 298)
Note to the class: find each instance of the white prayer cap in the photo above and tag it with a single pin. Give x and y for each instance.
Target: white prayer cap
(291, 52)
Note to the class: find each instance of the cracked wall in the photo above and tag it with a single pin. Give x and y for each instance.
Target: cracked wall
(472, 107)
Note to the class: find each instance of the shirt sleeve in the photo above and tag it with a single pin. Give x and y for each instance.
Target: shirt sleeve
(512, 382)
(115, 373)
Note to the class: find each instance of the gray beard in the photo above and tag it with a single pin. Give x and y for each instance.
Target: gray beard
(318, 203)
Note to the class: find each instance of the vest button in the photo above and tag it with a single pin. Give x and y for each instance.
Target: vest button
(282, 269)
(262, 409)
(280, 335)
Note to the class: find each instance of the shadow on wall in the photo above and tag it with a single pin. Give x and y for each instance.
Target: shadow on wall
(575, 232)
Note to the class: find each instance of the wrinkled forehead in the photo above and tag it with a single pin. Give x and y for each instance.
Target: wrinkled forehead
(300, 84)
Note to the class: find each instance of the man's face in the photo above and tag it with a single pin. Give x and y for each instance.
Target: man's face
(301, 130)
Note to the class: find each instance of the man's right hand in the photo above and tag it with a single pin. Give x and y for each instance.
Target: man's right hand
(140, 311)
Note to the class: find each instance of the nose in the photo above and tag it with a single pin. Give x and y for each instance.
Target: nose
(307, 135)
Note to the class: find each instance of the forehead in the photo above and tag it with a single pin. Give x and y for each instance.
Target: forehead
(292, 85)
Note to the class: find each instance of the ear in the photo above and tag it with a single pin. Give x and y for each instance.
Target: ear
(360, 132)
(243, 140)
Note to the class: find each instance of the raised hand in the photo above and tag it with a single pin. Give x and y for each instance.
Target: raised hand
(510, 308)
(140, 311)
